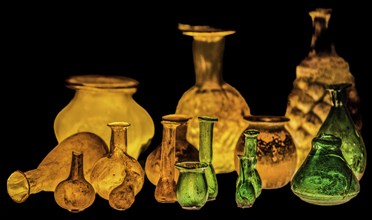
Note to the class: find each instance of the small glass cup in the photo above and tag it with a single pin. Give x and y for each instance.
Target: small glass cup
(192, 188)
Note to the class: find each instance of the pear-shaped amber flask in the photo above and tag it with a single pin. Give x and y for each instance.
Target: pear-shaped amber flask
(101, 99)
(325, 178)
(55, 167)
(212, 96)
(309, 102)
(109, 172)
(75, 193)
(185, 151)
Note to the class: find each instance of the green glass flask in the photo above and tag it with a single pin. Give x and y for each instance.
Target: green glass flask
(340, 123)
(206, 124)
(325, 178)
(248, 184)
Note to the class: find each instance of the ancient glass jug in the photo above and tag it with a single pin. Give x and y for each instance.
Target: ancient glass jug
(185, 151)
(55, 166)
(110, 171)
(165, 190)
(248, 183)
(206, 124)
(75, 193)
(212, 96)
(192, 187)
(340, 123)
(308, 102)
(276, 151)
(99, 100)
(325, 178)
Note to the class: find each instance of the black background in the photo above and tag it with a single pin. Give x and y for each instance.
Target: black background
(43, 44)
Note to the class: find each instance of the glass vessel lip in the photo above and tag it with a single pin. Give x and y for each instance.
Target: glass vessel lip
(191, 165)
(266, 118)
(176, 117)
(208, 118)
(203, 30)
(338, 86)
(101, 82)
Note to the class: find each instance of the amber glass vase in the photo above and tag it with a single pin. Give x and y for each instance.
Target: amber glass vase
(276, 151)
(99, 100)
(212, 96)
(309, 102)
(185, 151)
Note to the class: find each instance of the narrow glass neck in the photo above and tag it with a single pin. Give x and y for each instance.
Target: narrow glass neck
(338, 94)
(77, 170)
(206, 125)
(208, 56)
(168, 149)
(321, 42)
(119, 136)
(250, 144)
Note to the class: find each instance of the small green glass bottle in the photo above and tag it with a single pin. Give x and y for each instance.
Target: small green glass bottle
(340, 123)
(325, 178)
(206, 124)
(248, 184)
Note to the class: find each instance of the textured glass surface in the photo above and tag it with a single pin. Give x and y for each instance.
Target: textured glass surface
(75, 193)
(309, 102)
(192, 187)
(248, 184)
(55, 166)
(206, 124)
(325, 178)
(185, 151)
(340, 124)
(276, 151)
(212, 96)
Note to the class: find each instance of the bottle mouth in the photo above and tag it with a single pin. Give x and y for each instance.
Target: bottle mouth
(99, 82)
(203, 31)
(266, 118)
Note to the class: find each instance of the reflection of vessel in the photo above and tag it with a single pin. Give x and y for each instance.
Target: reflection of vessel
(309, 102)
(212, 96)
(55, 167)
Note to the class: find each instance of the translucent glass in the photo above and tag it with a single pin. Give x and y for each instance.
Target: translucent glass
(212, 96)
(75, 193)
(55, 166)
(99, 100)
(325, 178)
(309, 102)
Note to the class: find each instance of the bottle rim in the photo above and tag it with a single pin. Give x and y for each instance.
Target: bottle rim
(101, 82)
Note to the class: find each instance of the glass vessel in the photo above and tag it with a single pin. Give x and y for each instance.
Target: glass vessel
(206, 124)
(99, 100)
(325, 178)
(276, 151)
(185, 151)
(110, 172)
(248, 183)
(340, 123)
(165, 190)
(309, 102)
(212, 96)
(192, 187)
(55, 166)
(75, 193)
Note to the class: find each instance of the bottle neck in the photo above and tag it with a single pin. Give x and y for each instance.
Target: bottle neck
(208, 55)
(206, 140)
(77, 170)
(168, 149)
(321, 42)
(119, 136)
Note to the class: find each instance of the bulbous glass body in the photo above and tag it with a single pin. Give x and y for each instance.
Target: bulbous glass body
(276, 151)
(99, 100)
(185, 151)
(309, 102)
(212, 96)
(75, 193)
(192, 187)
(340, 123)
(55, 166)
(325, 178)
